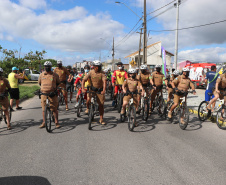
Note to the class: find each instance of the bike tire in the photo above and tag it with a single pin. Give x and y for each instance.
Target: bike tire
(202, 114)
(162, 108)
(79, 107)
(91, 116)
(120, 103)
(48, 119)
(10, 115)
(145, 110)
(221, 123)
(132, 118)
(184, 112)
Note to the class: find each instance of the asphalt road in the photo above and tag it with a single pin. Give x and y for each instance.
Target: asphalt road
(158, 152)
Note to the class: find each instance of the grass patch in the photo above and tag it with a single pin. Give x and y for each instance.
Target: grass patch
(28, 92)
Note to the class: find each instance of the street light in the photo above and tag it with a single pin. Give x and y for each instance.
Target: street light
(128, 8)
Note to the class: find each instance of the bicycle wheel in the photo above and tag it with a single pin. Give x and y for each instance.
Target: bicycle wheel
(120, 103)
(145, 110)
(91, 116)
(10, 115)
(48, 119)
(183, 117)
(79, 107)
(202, 111)
(132, 118)
(161, 107)
(221, 118)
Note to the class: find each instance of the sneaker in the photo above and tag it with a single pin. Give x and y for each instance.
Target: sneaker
(113, 103)
(170, 114)
(87, 111)
(18, 108)
(11, 109)
(76, 105)
(42, 125)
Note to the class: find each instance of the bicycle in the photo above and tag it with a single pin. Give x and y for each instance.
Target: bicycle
(60, 96)
(2, 113)
(93, 106)
(81, 101)
(145, 104)
(203, 112)
(159, 102)
(119, 98)
(130, 112)
(181, 110)
(48, 114)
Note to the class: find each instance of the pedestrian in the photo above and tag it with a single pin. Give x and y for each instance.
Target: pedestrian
(14, 92)
(70, 85)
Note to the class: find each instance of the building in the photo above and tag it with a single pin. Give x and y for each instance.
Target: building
(154, 56)
(82, 64)
(109, 63)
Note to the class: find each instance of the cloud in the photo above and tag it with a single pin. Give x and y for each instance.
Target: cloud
(215, 55)
(71, 30)
(33, 4)
(192, 13)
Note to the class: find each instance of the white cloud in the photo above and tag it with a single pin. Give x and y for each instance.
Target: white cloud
(192, 13)
(216, 55)
(73, 30)
(33, 4)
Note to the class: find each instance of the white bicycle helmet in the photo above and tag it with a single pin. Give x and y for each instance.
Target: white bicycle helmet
(59, 62)
(143, 67)
(47, 63)
(132, 71)
(185, 69)
(158, 66)
(106, 70)
(96, 63)
(176, 72)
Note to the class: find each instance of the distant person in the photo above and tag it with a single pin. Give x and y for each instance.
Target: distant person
(210, 80)
(70, 85)
(14, 92)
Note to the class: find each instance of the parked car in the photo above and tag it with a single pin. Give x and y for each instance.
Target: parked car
(33, 75)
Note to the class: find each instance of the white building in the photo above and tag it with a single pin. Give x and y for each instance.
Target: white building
(109, 63)
(154, 55)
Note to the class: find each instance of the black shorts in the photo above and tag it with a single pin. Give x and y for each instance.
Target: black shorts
(14, 93)
(70, 88)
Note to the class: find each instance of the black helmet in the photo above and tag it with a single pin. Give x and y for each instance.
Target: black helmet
(119, 63)
(87, 66)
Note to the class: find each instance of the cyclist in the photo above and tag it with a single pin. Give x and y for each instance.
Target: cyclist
(49, 81)
(87, 83)
(131, 84)
(4, 97)
(157, 82)
(98, 84)
(118, 78)
(210, 80)
(69, 85)
(181, 84)
(220, 88)
(62, 72)
(144, 78)
(169, 85)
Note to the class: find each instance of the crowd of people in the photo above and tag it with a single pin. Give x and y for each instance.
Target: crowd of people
(93, 77)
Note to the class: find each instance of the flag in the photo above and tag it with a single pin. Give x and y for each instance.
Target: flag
(164, 61)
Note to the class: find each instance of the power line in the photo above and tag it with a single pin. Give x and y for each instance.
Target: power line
(128, 33)
(161, 13)
(161, 7)
(202, 25)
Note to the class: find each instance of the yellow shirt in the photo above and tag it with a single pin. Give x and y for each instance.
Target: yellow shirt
(12, 80)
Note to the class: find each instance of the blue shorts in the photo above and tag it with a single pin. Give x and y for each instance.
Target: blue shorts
(208, 97)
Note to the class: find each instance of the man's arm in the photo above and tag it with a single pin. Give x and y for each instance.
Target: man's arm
(104, 79)
(113, 78)
(124, 85)
(39, 79)
(57, 79)
(18, 76)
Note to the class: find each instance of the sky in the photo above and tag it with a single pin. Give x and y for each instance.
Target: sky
(76, 30)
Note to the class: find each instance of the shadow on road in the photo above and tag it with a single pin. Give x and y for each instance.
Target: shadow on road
(111, 123)
(24, 180)
(194, 124)
(66, 126)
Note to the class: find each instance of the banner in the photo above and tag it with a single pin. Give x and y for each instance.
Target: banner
(164, 61)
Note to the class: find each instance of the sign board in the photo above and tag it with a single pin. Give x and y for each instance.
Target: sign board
(132, 63)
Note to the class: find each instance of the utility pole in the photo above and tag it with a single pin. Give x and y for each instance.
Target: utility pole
(113, 54)
(139, 61)
(145, 34)
(176, 36)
